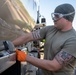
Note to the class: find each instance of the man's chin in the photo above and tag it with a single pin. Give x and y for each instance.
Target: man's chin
(55, 26)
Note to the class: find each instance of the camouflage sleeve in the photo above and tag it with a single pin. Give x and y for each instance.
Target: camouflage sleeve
(64, 58)
(36, 34)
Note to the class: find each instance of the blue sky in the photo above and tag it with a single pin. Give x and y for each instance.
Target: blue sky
(48, 6)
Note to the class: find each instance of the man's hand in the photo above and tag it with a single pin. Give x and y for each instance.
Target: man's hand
(21, 56)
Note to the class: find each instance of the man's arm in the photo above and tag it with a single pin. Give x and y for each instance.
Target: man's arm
(60, 60)
(23, 39)
(35, 35)
(50, 65)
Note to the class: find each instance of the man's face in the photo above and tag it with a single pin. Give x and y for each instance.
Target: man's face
(60, 23)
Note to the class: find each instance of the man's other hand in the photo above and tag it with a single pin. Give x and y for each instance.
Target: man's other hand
(21, 56)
